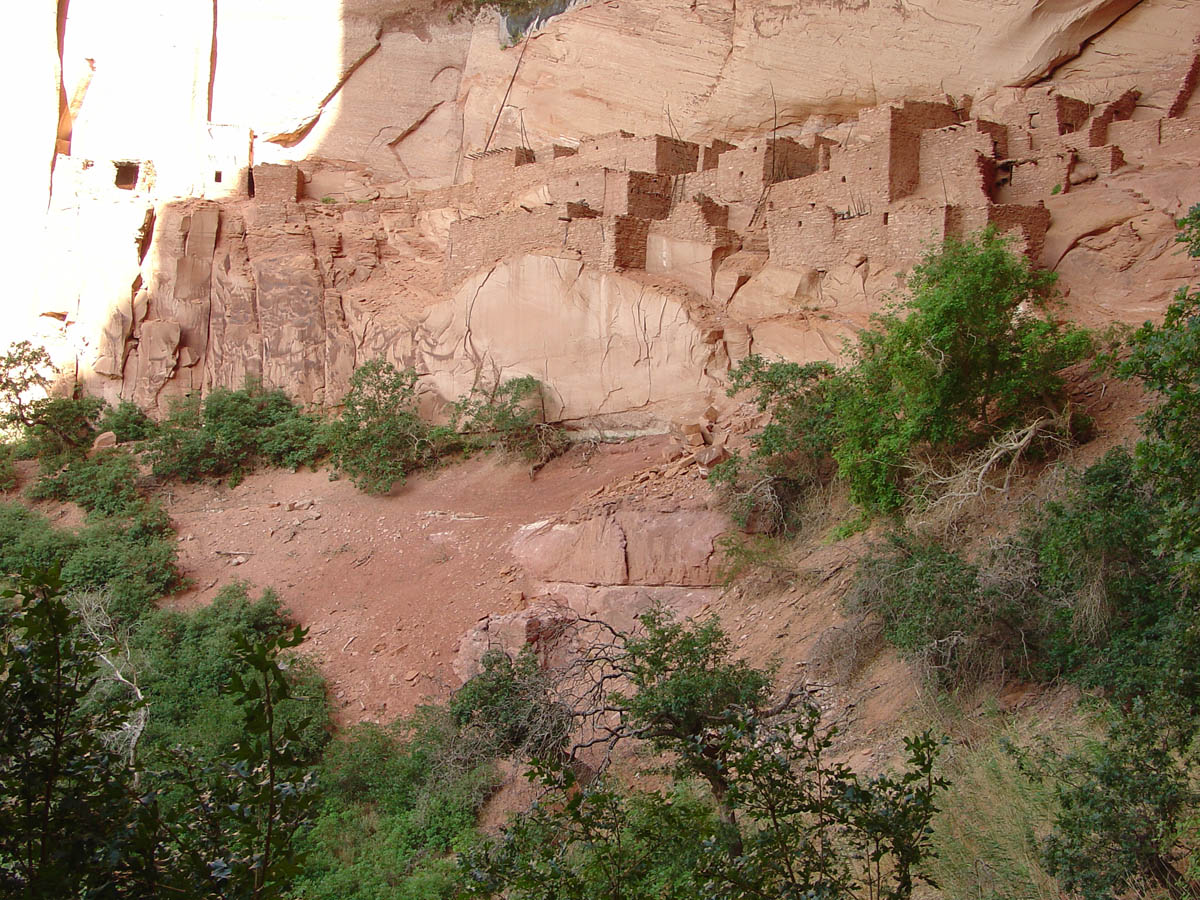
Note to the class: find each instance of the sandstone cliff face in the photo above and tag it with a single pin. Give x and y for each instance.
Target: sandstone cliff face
(154, 291)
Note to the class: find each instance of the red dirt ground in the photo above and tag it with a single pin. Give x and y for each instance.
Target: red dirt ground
(387, 584)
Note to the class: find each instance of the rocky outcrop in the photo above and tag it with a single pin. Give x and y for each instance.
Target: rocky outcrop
(626, 273)
(738, 68)
(625, 547)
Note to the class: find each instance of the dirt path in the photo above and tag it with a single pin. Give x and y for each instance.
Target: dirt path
(387, 585)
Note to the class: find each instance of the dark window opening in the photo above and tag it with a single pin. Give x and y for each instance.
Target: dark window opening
(217, 176)
(250, 182)
(843, 179)
(127, 175)
(885, 218)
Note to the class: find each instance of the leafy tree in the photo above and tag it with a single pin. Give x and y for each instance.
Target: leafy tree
(507, 414)
(1167, 359)
(813, 827)
(511, 703)
(265, 795)
(55, 428)
(227, 432)
(972, 343)
(789, 822)
(380, 437)
(65, 790)
(968, 352)
(594, 841)
(1125, 804)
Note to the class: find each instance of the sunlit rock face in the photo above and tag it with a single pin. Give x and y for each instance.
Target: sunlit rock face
(152, 272)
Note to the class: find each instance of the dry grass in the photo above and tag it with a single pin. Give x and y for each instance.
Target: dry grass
(945, 492)
(993, 819)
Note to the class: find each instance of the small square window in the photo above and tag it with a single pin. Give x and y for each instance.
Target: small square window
(127, 175)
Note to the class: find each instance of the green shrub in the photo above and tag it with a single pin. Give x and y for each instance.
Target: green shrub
(967, 353)
(52, 429)
(596, 841)
(29, 541)
(397, 799)
(228, 431)
(127, 422)
(788, 821)
(764, 490)
(133, 559)
(295, 441)
(189, 658)
(104, 483)
(8, 468)
(380, 437)
(943, 615)
(508, 415)
(1126, 806)
(510, 705)
(1166, 358)
(62, 429)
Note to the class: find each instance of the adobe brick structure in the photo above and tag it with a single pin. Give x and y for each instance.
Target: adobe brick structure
(743, 173)
(275, 184)
(901, 178)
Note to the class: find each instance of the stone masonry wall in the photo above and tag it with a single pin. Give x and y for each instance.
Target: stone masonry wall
(277, 183)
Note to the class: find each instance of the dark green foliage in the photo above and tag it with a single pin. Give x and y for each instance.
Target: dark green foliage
(53, 429)
(265, 795)
(79, 813)
(380, 437)
(596, 841)
(1167, 359)
(29, 541)
(133, 559)
(227, 432)
(104, 483)
(966, 349)
(508, 415)
(812, 827)
(127, 422)
(509, 701)
(788, 822)
(189, 658)
(1126, 802)
(1079, 593)
(685, 681)
(969, 352)
(397, 800)
(25, 372)
(65, 796)
(8, 468)
(943, 615)
(1116, 617)
(791, 449)
(62, 428)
